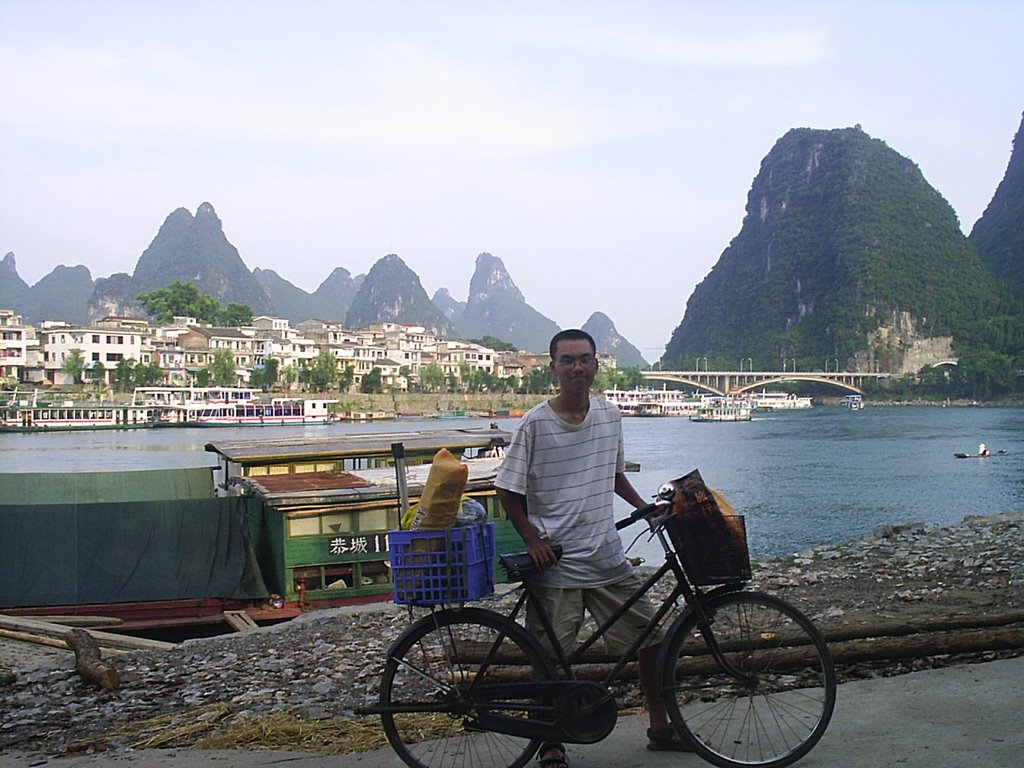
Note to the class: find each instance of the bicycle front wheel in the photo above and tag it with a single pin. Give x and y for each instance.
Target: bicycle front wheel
(430, 714)
(775, 702)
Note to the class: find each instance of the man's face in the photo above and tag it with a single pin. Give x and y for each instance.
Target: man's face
(574, 365)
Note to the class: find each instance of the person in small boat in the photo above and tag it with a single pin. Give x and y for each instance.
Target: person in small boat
(562, 469)
(983, 450)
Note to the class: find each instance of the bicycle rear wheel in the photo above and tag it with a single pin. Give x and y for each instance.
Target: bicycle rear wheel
(778, 711)
(428, 686)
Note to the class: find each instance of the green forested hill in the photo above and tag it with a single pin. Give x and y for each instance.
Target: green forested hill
(194, 250)
(841, 235)
(999, 234)
(391, 292)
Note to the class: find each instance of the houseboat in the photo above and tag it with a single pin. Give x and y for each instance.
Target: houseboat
(28, 412)
(329, 503)
(279, 526)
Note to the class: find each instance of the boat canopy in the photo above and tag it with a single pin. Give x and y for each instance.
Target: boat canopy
(263, 451)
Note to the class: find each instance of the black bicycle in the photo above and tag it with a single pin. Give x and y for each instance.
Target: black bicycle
(746, 676)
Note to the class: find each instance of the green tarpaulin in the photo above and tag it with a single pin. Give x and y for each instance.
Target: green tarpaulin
(91, 487)
(82, 553)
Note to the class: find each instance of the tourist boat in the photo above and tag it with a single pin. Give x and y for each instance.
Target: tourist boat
(231, 407)
(777, 401)
(653, 402)
(28, 412)
(716, 408)
(279, 526)
(853, 402)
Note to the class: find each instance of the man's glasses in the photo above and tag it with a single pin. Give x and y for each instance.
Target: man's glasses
(569, 362)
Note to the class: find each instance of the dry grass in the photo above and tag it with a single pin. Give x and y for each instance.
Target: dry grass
(218, 726)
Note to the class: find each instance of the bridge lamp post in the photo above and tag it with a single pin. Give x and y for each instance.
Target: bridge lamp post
(705, 364)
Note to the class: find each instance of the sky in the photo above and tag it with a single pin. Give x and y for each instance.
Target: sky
(602, 150)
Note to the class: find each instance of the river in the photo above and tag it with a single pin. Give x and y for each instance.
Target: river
(802, 478)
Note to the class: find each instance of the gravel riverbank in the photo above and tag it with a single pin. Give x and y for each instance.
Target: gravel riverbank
(320, 666)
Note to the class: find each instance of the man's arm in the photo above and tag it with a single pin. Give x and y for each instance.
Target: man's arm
(625, 490)
(540, 549)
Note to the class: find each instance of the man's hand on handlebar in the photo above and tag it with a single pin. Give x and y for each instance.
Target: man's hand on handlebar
(542, 552)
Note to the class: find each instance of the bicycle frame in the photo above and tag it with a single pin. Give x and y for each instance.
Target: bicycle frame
(693, 596)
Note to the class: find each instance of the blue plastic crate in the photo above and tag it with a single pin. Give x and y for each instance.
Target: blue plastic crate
(440, 567)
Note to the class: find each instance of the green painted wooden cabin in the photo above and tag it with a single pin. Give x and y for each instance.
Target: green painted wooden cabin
(329, 503)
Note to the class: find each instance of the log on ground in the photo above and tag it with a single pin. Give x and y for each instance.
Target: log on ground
(88, 662)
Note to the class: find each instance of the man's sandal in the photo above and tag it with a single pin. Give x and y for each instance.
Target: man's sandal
(561, 760)
(668, 739)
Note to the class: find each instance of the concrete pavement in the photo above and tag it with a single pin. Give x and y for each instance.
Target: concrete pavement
(945, 718)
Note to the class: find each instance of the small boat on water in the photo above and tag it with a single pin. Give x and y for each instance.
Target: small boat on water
(716, 408)
(853, 402)
(983, 453)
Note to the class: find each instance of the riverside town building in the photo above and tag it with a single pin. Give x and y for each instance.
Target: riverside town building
(30, 355)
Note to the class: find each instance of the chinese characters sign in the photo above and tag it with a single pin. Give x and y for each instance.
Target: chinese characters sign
(369, 544)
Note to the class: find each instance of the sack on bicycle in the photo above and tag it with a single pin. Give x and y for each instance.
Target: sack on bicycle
(707, 533)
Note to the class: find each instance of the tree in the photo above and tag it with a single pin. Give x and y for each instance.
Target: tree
(234, 315)
(271, 368)
(147, 375)
(372, 382)
(288, 376)
(431, 377)
(540, 380)
(222, 368)
(74, 364)
(96, 373)
(324, 372)
(179, 299)
(345, 379)
(123, 374)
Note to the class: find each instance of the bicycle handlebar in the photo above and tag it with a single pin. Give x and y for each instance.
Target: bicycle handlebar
(641, 513)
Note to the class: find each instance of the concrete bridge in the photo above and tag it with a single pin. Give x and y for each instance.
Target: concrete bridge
(738, 382)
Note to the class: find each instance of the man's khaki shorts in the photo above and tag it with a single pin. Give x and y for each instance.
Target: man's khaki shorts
(565, 609)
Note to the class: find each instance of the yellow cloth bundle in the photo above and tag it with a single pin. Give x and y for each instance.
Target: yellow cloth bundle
(442, 494)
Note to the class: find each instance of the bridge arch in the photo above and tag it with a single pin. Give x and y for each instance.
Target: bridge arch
(739, 382)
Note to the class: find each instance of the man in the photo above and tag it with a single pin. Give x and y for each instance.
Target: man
(557, 483)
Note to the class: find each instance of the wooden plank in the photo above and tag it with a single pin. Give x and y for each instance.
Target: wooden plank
(74, 620)
(240, 621)
(28, 637)
(105, 639)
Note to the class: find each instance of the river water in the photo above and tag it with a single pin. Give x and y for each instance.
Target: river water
(802, 478)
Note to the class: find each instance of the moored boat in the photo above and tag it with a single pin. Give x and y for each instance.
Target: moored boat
(330, 503)
(28, 412)
(282, 525)
(853, 402)
(232, 407)
(715, 408)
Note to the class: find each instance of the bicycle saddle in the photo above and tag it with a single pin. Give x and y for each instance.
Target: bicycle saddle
(520, 565)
